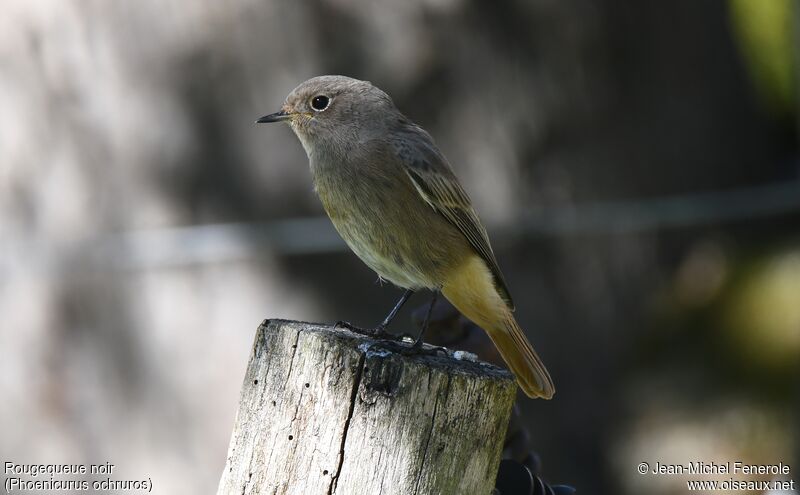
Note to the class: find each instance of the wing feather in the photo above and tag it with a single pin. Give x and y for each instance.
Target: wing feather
(435, 181)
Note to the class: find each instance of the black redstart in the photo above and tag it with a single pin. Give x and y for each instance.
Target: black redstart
(395, 200)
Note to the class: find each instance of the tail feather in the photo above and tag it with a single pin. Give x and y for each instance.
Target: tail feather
(471, 290)
(523, 361)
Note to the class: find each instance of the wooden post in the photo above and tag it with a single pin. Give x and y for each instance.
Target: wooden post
(327, 411)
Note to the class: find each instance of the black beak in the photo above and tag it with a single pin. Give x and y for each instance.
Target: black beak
(273, 117)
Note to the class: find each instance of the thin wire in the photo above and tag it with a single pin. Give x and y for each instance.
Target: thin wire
(201, 244)
(667, 213)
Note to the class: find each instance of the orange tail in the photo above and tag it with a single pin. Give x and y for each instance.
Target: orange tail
(471, 290)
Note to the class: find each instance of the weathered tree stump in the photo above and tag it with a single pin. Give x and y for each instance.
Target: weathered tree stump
(328, 411)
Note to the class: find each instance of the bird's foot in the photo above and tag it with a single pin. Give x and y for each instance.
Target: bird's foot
(424, 351)
(405, 345)
(417, 348)
(378, 332)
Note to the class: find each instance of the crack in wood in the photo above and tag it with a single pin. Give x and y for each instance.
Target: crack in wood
(430, 431)
(291, 360)
(353, 398)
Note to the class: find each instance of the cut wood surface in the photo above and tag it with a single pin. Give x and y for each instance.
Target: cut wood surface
(328, 411)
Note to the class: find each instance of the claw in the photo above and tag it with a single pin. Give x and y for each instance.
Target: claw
(417, 349)
(378, 332)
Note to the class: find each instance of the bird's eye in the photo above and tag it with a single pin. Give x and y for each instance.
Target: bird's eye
(320, 102)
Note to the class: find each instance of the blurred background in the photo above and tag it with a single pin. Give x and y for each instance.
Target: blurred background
(636, 164)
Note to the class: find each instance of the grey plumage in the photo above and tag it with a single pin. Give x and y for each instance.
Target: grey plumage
(395, 200)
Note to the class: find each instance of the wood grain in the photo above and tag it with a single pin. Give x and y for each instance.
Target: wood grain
(327, 411)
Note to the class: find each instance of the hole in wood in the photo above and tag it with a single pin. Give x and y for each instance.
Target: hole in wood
(308, 385)
(255, 382)
(325, 472)
(273, 403)
(291, 437)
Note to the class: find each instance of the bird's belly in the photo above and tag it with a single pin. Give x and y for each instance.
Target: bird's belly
(386, 254)
(388, 225)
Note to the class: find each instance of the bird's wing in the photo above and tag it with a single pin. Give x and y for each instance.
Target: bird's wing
(435, 181)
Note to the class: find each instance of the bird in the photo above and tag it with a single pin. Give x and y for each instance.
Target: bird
(395, 200)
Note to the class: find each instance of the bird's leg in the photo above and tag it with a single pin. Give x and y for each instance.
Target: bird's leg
(426, 321)
(380, 330)
(396, 308)
(416, 348)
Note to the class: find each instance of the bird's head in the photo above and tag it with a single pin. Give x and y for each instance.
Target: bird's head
(335, 110)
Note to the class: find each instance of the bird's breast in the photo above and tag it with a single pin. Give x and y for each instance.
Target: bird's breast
(390, 227)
